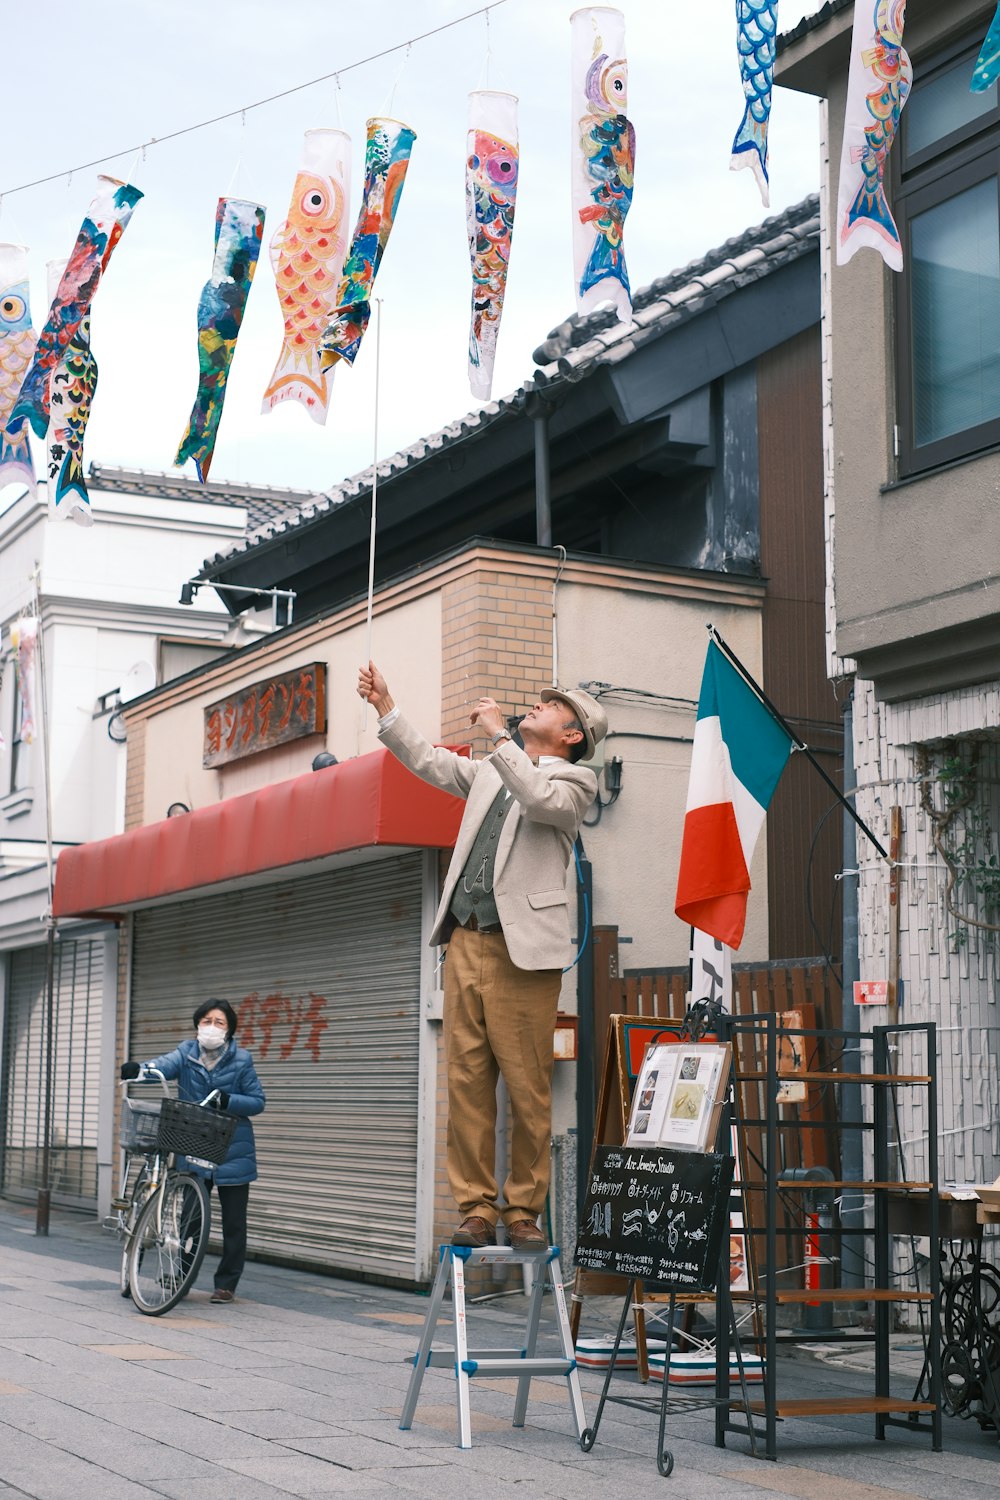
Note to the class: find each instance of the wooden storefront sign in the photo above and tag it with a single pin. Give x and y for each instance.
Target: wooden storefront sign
(264, 714)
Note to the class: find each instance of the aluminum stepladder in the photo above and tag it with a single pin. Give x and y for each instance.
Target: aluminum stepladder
(521, 1364)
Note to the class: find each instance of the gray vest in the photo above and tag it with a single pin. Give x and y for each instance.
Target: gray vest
(474, 889)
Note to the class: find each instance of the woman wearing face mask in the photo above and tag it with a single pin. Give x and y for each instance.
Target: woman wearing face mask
(213, 1061)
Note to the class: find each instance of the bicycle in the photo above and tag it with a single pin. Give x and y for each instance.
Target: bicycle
(164, 1219)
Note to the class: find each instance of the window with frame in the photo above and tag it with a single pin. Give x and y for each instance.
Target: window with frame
(946, 202)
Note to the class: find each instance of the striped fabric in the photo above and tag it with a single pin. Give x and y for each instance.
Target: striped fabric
(738, 755)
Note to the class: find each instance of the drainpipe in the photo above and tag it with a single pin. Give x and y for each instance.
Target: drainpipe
(852, 1203)
(543, 476)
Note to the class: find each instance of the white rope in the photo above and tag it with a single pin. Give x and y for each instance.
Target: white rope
(371, 540)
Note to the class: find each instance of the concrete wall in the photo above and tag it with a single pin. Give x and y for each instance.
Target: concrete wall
(406, 645)
(912, 557)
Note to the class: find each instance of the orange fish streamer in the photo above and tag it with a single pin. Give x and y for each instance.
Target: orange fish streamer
(307, 254)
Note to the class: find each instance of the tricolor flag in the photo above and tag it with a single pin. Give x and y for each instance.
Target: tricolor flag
(739, 753)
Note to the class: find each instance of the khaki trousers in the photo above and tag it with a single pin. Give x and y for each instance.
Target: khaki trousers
(498, 1019)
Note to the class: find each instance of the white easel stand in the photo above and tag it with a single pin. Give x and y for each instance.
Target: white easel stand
(521, 1363)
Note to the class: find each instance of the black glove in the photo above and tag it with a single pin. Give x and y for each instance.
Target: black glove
(130, 1070)
(223, 1099)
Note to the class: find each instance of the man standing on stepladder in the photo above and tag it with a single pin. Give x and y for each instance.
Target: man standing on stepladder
(505, 919)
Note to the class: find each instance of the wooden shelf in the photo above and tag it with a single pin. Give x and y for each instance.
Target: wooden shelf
(834, 1294)
(831, 1406)
(742, 1077)
(820, 1182)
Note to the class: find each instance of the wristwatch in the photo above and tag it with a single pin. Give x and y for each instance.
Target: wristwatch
(501, 734)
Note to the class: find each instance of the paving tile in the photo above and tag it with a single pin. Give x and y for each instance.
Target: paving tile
(136, 1351)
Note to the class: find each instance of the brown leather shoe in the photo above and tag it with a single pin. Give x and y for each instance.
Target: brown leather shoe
(222, 1294)
(474, 1232)
(524, 1234)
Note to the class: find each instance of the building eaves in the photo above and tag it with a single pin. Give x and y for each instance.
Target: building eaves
(811, 23)
(578, 345)
(575, 349)
(261, 502)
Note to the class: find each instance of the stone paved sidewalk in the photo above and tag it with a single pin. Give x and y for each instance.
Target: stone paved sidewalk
(296, 1389)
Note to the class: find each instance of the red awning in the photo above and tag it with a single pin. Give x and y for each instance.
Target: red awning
(359, 804)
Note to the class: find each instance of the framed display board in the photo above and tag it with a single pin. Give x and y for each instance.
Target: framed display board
(656, 1213)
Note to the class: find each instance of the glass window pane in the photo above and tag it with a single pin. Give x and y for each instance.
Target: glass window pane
(955, 313)
(944, 104)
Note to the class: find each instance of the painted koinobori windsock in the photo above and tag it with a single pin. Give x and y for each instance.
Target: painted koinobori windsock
(103, 226)
(73, 383)
(756, 39)
(603, 159)
(17, 346)
(387, 156)
(878, 85)
(307, 253)
(987, 69)
(490, 190)
(738, 755)
(24, 640)
(239, 229)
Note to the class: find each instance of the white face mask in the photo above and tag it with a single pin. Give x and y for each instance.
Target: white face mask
(211, 1037)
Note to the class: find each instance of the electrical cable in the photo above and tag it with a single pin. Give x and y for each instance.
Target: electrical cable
(586, 910)
(257, 104)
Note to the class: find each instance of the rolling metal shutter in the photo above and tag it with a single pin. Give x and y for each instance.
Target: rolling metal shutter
(77, 985)
(324, 972)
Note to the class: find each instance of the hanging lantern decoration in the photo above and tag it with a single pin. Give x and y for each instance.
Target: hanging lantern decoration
(603, 160)
(987, 69)
(756, 41)
(17, 346)
(491, 169)
(387, 156)
(307, 253)
(239, 229)
(105, 222)
(24, 640)
(878, 85)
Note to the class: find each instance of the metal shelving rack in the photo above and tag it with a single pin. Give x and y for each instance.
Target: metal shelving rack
(759, 1035)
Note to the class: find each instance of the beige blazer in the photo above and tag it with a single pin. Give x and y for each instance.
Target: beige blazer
(536, 843)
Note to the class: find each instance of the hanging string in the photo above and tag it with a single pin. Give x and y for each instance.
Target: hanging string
(230, 114)
(233, 189)
(387, 109)
(371, 540)
(336, 100)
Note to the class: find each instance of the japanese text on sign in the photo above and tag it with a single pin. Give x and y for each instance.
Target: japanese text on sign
(266, 714)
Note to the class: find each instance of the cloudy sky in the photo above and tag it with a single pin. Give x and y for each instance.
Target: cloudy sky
(148, 69)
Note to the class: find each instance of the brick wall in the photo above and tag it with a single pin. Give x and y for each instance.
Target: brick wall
(135, 773)
(496, 638)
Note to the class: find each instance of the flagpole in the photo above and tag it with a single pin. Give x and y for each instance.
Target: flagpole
(796, 740)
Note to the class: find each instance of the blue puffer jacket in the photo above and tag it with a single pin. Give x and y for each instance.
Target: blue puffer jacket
(234, 1072)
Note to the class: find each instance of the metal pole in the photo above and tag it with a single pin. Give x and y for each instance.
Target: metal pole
(543, 478)
(796, 739)
(852, 1157)
(585, 1080)
(44, 1192)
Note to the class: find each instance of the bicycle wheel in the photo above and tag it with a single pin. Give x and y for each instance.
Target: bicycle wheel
(141, 1189)
(168, 1245)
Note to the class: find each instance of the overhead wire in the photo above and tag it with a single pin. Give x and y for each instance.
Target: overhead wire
(242, 109)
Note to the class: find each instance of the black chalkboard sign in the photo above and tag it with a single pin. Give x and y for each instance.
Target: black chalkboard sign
(656, 1214)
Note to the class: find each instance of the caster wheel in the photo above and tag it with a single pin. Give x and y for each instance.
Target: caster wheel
(587, 1437)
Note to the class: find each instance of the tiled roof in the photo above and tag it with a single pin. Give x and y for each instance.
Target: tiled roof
(812, 23)
(262, 502)
(580, 346)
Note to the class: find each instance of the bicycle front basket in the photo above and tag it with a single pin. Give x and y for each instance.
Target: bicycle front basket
(190, 1130)
(140, 1125)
